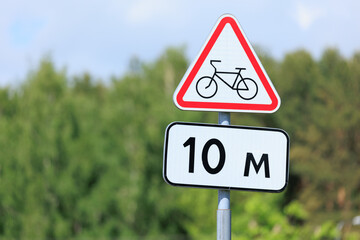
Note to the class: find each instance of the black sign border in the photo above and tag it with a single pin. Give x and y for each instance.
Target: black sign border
(224, 126)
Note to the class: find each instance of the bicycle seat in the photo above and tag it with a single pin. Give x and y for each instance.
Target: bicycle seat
(240, 68)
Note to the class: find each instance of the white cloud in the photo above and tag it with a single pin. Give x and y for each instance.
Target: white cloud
(306, 15)
(143, 11)
(101, 35)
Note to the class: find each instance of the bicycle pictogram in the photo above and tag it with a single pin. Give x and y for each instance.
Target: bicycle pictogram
(207, 86)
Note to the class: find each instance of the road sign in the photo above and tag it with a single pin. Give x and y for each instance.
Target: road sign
(227, 75)
(226, 157)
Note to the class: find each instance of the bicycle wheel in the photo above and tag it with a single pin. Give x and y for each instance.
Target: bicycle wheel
(206, 87)
(247, 89)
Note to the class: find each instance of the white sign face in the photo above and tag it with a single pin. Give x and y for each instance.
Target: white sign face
(227, 75)
(226, 157)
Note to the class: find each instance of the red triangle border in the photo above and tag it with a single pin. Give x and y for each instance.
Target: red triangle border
(220, 105)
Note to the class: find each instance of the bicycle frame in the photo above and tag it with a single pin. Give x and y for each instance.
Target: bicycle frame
(238, 74)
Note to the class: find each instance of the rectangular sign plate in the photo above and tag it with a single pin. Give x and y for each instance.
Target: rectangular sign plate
(226, 157)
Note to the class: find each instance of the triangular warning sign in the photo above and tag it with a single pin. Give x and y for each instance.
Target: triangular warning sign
(227, 75)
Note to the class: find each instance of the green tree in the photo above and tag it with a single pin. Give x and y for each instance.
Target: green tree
(83, 160)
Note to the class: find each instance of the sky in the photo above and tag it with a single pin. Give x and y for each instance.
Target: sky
(101, 36)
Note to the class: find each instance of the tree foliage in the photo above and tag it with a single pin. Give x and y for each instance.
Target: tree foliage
(83, 160)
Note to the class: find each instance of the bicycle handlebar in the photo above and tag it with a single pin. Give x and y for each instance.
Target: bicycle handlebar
(212, 61)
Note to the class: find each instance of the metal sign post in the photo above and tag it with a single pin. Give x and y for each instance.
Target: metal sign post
(224, 212)
(221, 156)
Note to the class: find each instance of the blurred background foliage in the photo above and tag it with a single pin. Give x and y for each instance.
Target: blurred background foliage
(82, 159)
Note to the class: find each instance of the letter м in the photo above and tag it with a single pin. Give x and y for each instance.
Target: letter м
(264, 159)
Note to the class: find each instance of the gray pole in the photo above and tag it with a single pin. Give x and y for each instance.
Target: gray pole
(224, 212)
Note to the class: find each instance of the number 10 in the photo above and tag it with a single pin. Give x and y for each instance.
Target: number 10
(191, 142)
